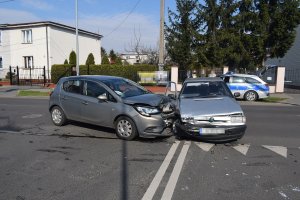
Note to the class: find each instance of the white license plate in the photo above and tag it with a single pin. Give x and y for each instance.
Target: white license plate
(211, 131)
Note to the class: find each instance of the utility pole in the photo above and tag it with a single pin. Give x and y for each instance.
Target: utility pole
(77, 45)
(161, 36)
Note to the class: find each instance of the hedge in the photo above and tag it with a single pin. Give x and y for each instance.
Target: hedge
(129, 71)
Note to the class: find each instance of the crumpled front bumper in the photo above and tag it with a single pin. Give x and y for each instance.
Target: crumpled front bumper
(231, 132)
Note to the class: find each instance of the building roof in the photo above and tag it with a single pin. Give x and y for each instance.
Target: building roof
(47, 23)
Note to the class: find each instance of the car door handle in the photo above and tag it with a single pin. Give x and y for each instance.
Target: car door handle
(64, 98)
(84, 103)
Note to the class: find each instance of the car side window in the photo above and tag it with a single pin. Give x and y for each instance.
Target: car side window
(73, 86)
(252, 80)
(238, 80)
(94, 90)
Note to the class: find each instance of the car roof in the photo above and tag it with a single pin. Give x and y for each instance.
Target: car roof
(209, 79)
(93, 77)
(240, 75)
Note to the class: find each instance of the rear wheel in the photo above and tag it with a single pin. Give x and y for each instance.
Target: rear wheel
(251, 96)
(58, 116)
(125, 128)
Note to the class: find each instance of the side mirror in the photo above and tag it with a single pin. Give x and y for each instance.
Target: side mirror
(172, 96)
(102, 97)
(236, 94)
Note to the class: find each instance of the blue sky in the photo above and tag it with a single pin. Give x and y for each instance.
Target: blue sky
(116, 20)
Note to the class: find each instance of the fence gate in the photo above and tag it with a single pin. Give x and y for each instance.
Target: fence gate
(27, 76)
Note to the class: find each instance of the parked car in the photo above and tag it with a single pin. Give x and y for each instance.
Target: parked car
(206, 109)
(111, 102)
(250, 87)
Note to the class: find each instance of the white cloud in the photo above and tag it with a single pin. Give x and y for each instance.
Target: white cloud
(37, 4)
(16, 16)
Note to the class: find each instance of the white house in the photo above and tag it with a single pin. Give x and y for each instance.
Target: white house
(38, 44)
(134, 58)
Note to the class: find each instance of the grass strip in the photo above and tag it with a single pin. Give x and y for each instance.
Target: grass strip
(273, 99)
(26, 93)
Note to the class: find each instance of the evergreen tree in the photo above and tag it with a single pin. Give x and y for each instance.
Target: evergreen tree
(90, 59)
(112, 56)
(118, 61)
(72, 58)
(66, 62)
(180, 34)
(103, 52)
(105, 60)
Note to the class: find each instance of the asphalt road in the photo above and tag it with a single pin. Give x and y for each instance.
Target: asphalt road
(80, 161)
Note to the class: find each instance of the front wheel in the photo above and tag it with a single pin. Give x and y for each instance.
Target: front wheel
(125, 128)
(58, 116)
(251, 96)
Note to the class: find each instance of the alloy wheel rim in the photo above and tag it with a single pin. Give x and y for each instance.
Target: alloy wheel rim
(124, 128)
(56, 116)
(250, 96)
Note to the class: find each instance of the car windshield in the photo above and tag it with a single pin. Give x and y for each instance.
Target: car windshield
(205, 89)
(125, 88)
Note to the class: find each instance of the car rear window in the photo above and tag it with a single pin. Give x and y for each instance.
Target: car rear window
(252, 80)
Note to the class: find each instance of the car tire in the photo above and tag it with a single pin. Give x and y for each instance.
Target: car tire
(251, 96)
(125, 128)
(58, 116)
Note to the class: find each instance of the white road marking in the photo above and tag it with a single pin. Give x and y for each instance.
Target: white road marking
(204, 146)
(242, 148)
(169, 190)
(32, 116)
(277, 149)
(160, 173)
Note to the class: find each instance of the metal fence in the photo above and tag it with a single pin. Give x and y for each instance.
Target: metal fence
(292, 77)
(28, 76)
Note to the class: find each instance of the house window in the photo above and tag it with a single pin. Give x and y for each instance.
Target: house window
(28, 61)
(1, 65)
(27, 36)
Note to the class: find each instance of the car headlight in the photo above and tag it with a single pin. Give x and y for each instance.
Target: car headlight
(238, 119)
(147, 111)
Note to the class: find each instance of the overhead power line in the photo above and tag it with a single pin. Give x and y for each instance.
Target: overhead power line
(122, 22)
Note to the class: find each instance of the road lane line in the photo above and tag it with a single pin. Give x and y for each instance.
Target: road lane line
(277, 149)
(242, 148)
(160, 173)
(169, 190)
(204, 146)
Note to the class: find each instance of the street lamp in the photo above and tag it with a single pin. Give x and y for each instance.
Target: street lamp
(77, 45)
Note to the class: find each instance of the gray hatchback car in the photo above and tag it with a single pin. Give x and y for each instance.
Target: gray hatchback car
(111, 102)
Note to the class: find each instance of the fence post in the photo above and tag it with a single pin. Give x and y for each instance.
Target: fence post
(44, 74)
(18, 76)
(10, 75)
(30, 76)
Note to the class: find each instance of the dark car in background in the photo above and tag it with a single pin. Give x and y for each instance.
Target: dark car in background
(113, 102)
(207, 110)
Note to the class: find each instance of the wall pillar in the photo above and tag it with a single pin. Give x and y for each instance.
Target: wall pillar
(280, 79)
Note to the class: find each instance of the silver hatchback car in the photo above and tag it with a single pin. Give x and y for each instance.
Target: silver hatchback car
(111, 102)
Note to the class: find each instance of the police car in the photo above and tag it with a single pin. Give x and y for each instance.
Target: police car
(248, 87)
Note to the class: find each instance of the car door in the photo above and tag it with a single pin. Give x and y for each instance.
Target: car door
(94, 110)
(71, 97)
(238, 85)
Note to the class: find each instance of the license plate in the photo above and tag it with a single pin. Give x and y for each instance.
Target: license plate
(211, 131)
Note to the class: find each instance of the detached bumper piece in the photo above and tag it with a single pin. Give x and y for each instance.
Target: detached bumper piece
(207, 133)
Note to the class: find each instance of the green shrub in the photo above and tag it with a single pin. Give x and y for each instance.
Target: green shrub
(129, 72)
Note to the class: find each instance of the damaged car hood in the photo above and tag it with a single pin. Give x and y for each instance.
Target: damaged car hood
(147, 99)
(208, 106)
